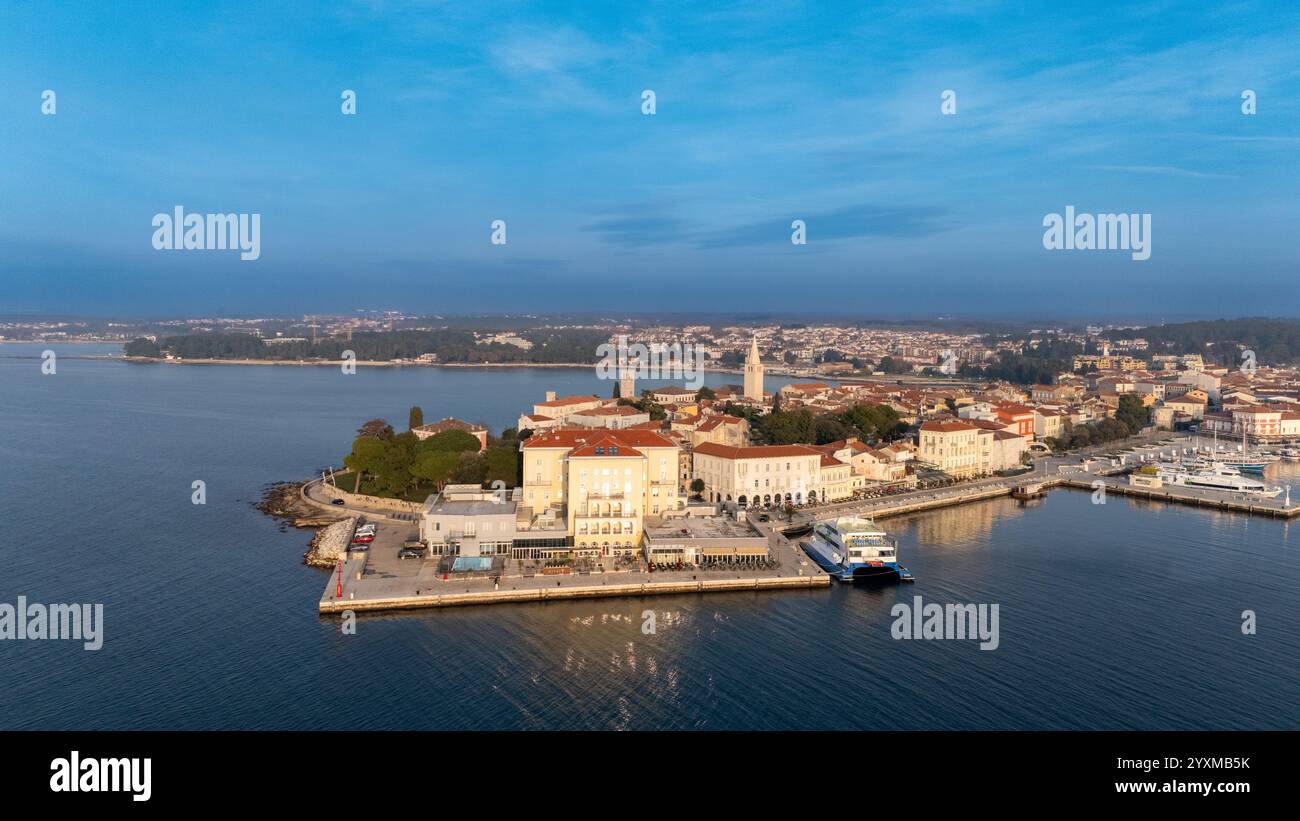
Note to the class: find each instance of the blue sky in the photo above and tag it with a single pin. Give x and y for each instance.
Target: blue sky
(766, 112)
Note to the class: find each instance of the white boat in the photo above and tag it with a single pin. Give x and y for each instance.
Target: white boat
(1244, 458)
(853, 549)
(1217, 476)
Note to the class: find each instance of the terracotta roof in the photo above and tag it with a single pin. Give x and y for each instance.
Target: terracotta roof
(948, 427)
(612, 410)
(566, 401)
(570, 438)
(605, 446)
(653, 424)
(756, 451)
(448, 424)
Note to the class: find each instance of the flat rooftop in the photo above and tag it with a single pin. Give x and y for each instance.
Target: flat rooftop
(710, 527)
(474, 508)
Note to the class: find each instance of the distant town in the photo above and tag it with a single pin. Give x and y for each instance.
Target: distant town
(679, 479)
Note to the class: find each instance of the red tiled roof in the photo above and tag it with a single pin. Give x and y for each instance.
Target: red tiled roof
(612, 410)
(570, 438)
(566, 401)
(948, 427)
(605, 446)
(448, 424)
(756, 451)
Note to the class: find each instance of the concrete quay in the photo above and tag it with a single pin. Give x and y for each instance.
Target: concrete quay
(1078, 479)
(377, 580)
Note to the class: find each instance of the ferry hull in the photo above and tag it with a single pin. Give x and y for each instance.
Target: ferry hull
(883, 571)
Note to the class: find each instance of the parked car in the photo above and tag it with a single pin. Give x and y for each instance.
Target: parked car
(360, 546)
(363, 539)
(411, 553)
(413, 543)
(336, 501)
(368, 530)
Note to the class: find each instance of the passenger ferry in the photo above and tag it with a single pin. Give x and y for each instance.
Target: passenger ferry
(1216, 476)
(855, 549)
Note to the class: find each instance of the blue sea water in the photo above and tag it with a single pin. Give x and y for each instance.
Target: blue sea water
(1123, 615)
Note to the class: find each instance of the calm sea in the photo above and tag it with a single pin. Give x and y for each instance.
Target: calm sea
(1123, 615)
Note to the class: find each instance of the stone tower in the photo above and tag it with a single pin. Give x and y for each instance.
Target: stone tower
(627, 382)
(753, 372)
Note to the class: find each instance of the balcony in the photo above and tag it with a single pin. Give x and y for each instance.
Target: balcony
(584, 512)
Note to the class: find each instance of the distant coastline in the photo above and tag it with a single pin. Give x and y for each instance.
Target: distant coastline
(370, 363)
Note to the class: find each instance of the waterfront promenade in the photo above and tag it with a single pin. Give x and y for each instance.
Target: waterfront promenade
(1060, 471)
(376, 579)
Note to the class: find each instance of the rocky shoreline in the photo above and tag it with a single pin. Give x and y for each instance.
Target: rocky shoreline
(283, 501)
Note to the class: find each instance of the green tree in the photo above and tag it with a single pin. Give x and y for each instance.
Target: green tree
(435, 466)
(367, 452)
(471, 468)
(451, 440)
(415, 418)
(1132, 413)
(798, 426)
(393, 473)
(142, 347)
(376, 429)
(705, 393)
(697, 487)
(503, 464)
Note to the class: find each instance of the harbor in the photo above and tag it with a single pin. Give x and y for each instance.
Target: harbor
(377, 578)
(1077, 472)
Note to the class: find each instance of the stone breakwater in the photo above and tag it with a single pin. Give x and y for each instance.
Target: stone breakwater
(330, 544)
(284, 501)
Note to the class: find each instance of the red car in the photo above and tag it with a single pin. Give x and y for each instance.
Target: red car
(363, 539)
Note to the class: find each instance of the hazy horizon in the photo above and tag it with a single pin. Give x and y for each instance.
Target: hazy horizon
(826, 113)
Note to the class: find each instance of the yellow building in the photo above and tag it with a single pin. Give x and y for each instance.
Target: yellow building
(951, 446)
(721, 430)
(603, 484)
